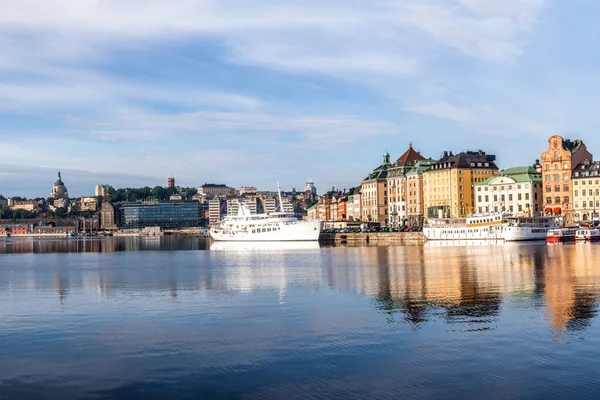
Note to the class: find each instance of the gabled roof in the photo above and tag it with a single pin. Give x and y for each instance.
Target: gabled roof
(408, 159)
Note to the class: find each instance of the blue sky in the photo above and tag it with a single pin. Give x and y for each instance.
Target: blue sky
(255, 92)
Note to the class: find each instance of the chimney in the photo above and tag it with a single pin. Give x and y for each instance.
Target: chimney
(445, 154)
(537, 166)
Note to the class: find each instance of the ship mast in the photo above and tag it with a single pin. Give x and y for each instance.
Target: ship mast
(280, 200)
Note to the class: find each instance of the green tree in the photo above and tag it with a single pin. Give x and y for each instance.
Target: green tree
(60, 212)
(159, 193)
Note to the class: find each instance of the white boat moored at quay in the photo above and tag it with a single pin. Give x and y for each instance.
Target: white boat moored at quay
(274, 227)
(489, 227)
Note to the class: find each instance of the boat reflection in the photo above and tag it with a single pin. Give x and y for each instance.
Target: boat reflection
(262, 246)
(463, 243)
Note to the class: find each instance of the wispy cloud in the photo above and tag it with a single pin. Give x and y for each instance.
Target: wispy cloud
(192, 79)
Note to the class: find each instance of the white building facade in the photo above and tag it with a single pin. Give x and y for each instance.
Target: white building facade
(517, 191)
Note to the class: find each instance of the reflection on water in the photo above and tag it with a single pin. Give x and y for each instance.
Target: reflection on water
(292, 322)
(14, 245)
(263, 246)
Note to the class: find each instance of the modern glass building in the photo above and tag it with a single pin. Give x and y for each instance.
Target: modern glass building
(174, 214)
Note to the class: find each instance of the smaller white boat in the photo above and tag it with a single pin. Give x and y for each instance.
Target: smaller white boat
(587, 235)
(562, 235)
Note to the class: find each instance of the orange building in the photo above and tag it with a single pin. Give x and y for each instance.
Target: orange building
(558, 163)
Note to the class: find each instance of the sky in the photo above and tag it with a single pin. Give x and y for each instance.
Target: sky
(251, 93)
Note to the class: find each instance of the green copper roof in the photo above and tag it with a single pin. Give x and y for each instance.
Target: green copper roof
(421, 166)
(518, 174)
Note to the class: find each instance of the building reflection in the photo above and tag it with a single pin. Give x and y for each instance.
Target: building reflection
(571, 286)
(466, 287)
(100, 245)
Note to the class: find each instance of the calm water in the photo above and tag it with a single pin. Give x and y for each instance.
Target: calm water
(163, 318)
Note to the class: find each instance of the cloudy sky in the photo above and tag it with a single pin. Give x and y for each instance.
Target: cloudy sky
(255, 92)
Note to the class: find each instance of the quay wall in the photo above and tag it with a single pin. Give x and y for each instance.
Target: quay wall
(375, 238)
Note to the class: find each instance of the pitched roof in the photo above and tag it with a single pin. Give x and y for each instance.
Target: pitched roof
(421, 166)
(381, 171)
(518, 174)
(408, 159)
(464, 160)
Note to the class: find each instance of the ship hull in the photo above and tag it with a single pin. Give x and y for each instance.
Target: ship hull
(298, 232)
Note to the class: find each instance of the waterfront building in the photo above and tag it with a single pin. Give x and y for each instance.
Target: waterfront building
(374, 194)
(415, 202)
(312, 214)
(448, 183)
(217, 208)
(586, 191)
(59, 190)
(172, 214)
(27, 205)
(100, 190)
(310, 191)
(251, 203)
(246, 190)
(60, 203)
(210, 190)
(516, 191)
(397, 185)
(558, 163)
(171, 182)
(88, 204)
(109, 216)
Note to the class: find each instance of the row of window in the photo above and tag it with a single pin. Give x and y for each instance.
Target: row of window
(557, 200)
(590, 192)
(576, 182)
(584, 204)
(503, 197)
(501, 188)
(520, 208)
(557, 188)
(557, 166)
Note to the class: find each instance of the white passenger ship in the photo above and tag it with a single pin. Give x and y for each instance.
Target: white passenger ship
(489, 227)
(275, 227)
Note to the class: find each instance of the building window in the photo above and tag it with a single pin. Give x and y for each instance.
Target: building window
(556, 177)
(565, 166)
(549, 200)
(557, 188)
(584, 204)
(557, 200)
(565, 177)
(527, 196)
(565, 188)
(576, 192)
(519, 197)
(548, 188)
(548, 178)
(566, 199)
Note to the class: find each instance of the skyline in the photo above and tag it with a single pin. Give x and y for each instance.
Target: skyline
(227, 92)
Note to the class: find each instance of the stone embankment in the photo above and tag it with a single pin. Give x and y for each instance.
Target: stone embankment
(373, 238)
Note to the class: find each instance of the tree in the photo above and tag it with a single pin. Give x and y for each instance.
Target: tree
(2, 197)
(6, 213)
(60, 212)
(159, 193)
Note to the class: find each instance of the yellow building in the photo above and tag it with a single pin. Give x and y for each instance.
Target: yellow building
(448, 184)
(374, 194)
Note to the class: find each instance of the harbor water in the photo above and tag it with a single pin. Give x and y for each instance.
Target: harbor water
(169, 317)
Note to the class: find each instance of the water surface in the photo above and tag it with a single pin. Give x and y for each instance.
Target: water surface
(163, 318)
